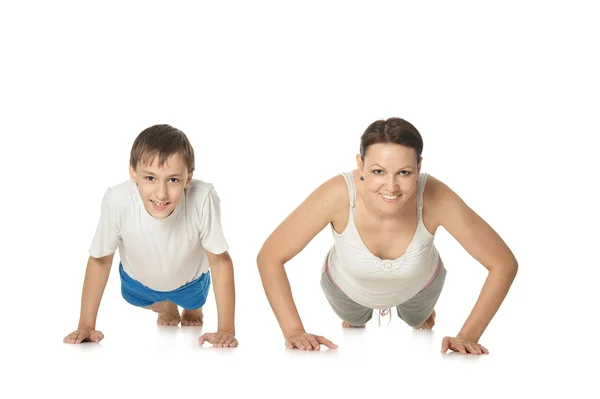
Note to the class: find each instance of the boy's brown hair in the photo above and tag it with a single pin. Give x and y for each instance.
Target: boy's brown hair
(164, 141)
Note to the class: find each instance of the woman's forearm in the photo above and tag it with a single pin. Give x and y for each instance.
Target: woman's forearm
(494, 290)
(279, 294)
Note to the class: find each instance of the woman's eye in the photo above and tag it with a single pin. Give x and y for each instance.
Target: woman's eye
(378, 171)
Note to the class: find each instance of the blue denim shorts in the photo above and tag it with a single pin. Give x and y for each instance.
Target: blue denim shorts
(189, 296)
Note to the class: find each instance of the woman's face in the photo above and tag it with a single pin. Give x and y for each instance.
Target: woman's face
(391, 173)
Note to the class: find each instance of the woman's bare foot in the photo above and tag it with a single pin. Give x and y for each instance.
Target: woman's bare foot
(348, 325)
(429, 323)
(169, 316)
(191, 317)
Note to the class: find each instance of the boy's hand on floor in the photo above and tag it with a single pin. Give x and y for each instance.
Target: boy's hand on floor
(83, 335)
(220, 339)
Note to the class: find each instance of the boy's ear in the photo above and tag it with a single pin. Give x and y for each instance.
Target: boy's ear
(132, 174)
(189, 179)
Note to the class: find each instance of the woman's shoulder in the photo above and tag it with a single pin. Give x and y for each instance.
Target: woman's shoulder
(436, 189)
(438, 198)
(335, 189)
(328, 199)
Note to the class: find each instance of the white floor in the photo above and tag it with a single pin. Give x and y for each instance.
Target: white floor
(532, 352)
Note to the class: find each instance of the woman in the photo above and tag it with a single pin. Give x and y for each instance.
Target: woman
(384, 216)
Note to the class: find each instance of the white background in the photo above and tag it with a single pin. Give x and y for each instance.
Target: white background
(274, 97)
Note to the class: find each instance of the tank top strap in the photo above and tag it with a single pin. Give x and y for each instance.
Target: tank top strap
(349, 177)
(421, 188)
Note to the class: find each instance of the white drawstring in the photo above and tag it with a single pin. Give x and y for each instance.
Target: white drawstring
(385, 312)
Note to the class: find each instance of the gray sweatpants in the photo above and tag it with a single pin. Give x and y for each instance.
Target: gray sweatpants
(414, 311)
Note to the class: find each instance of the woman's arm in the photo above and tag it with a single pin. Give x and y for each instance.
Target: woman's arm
(487, 247)
(288, 239)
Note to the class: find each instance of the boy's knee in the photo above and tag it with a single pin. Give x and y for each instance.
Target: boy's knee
(158, 307)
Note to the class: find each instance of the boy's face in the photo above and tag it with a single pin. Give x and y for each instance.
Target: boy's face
(161, 188)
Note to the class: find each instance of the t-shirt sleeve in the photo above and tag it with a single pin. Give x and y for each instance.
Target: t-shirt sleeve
(210, 228)
(106, 238)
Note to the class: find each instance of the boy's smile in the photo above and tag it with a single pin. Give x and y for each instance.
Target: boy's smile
(160, 206)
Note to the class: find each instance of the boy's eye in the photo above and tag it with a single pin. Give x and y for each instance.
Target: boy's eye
(149, 178)
(174, 179)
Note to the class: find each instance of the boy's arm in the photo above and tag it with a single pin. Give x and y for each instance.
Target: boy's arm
(221, 267)
(96, 277)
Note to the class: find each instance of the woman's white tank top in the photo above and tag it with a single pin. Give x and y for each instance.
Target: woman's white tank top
(381, 283)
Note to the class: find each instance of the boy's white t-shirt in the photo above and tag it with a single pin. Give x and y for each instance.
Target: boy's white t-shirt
(162, 254)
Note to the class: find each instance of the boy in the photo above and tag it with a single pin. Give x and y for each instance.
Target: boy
(168, 231)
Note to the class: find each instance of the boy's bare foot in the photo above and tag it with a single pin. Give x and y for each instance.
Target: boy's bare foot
(191, 317)
(170, 316)
(348, 325)
(429, 323)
